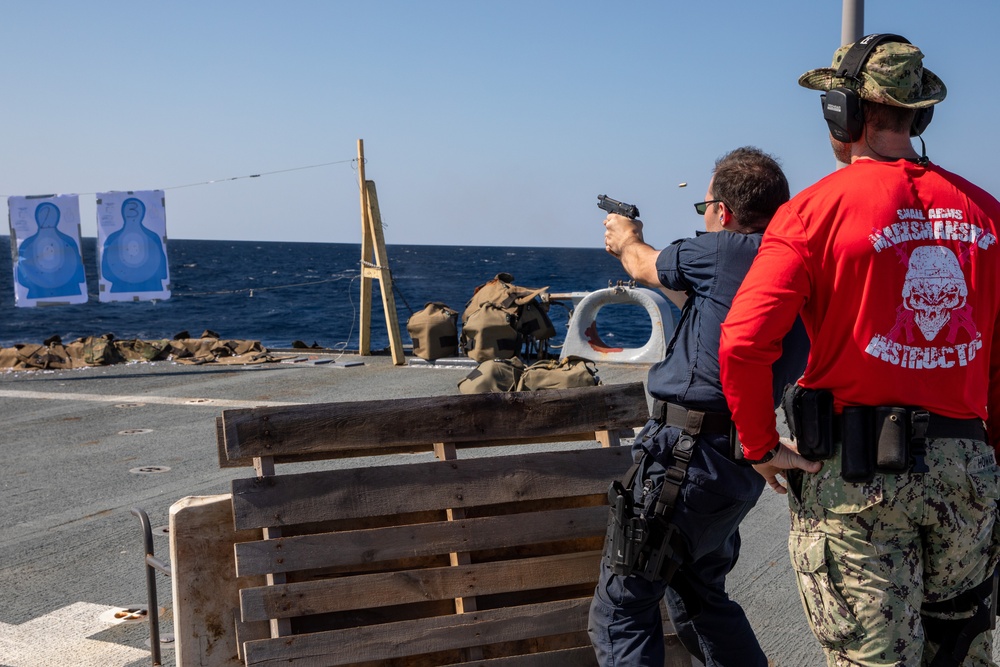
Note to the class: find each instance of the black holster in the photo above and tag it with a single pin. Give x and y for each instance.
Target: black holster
(627, 534)
(809, 413)
(640, 545)
(648, 543)
(955, 637)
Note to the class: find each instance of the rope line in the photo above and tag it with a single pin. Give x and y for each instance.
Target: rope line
(265, 173)
(251, 290)
(395, 288)
(354, 319)
(224, 180)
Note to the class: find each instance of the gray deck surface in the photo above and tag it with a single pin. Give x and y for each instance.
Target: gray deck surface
(71, 552)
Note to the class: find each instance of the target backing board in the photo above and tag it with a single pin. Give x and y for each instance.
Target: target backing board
(132, 246)
(45, 245)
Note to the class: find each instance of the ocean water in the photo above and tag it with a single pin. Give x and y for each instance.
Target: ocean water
(278, 293)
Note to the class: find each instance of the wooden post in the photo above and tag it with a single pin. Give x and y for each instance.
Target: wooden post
(280, 627)
(367, 255)
(445, 451)
(375, 265)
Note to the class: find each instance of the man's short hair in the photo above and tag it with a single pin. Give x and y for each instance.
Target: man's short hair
(751, 184)
(887, 118)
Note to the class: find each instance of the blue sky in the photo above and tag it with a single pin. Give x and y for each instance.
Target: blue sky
(484, 123)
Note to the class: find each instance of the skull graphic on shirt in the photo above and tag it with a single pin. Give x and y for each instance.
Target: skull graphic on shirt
(933, 288)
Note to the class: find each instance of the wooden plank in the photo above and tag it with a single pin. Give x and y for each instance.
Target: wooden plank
(363, 492)
(309, 552)
(447, 452)
(383, 589)
(220, 444)
(320, 427)
(280, 627)
(582, 437)
(248, 632)
(408, 638)
(385, 279)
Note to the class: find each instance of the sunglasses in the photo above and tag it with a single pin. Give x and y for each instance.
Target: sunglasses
(702, 206)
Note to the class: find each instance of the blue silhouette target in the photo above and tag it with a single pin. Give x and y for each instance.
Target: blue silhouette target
(133, 255)
(49, 265)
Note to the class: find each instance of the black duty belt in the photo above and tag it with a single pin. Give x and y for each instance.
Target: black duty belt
(949, 427)
(939, 426)
(694, 422)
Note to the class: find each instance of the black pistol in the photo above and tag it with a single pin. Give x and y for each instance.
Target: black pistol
(608, 204)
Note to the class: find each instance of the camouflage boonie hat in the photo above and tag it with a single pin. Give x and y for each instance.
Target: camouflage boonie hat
(893, 74)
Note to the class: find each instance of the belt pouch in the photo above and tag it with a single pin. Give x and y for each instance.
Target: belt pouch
(857, 451)
(791, 405)
(735, 447)
(892, 439)
(814, 424)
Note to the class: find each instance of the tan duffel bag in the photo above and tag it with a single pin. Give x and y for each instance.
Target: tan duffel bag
(434, 331)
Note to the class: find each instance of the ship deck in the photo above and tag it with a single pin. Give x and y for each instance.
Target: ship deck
(83, 447)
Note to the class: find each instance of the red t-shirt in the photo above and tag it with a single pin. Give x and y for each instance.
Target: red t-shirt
(895, 268)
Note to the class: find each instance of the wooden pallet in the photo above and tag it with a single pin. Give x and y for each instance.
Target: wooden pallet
(475, 560)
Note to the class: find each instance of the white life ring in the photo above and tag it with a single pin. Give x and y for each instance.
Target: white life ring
(583, 340)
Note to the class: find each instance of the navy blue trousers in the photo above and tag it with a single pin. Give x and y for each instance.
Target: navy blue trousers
(625, 624)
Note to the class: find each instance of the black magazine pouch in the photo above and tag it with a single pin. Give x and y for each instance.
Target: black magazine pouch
(892, 439)
(811, 421)
(857, 453)
(789, 400)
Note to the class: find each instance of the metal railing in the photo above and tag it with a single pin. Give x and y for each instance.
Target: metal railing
(152, 565)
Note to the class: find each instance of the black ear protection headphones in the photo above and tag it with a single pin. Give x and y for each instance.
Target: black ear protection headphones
(842, 106)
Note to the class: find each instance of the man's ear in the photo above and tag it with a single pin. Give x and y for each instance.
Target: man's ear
(725, 215)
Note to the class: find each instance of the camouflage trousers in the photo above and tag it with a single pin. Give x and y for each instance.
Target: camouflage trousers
(867, 556)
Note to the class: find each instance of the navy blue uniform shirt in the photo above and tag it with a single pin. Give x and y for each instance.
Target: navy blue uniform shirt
(710, 268)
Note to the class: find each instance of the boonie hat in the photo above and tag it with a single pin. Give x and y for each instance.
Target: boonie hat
(894, 74)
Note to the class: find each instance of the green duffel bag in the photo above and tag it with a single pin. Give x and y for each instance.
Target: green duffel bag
(566, 374)
(493, 376)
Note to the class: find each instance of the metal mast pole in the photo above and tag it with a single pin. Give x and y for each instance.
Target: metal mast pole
(852, 27)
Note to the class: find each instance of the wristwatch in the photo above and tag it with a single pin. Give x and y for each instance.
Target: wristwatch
(764, 459)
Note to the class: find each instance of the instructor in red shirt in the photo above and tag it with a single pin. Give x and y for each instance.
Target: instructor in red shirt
(893, 264)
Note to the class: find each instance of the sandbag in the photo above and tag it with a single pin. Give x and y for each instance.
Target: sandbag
(9, 358)
(197, 351)
(501, 317)
(566, 374)
(105, 350)
(490, 333)
(493, 376)
(143, 350)
(533, 321)
(100, 350)
(434, 331)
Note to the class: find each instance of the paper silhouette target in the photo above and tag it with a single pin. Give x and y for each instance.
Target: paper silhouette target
(45, 238)
(132, 243)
